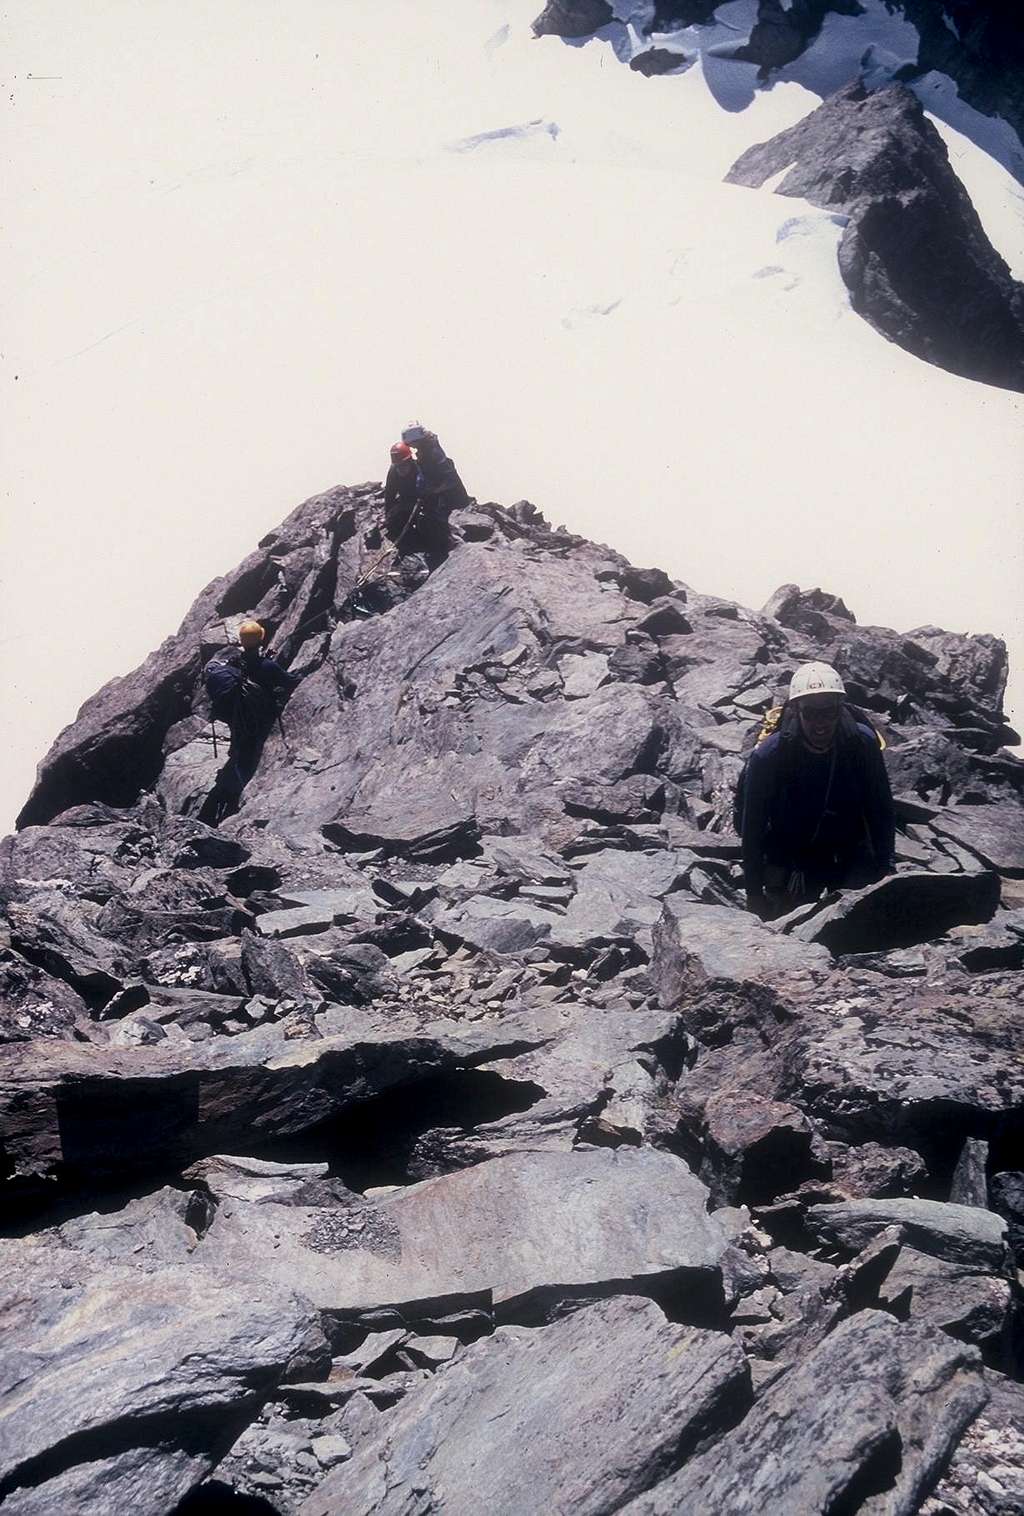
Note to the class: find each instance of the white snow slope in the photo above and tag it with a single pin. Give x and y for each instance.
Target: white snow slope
(250, 241)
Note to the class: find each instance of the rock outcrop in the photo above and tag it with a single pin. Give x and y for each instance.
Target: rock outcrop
(572, 18)
(441, 1132)
(913, 255)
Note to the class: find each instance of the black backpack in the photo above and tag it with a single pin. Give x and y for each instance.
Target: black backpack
(247, 708)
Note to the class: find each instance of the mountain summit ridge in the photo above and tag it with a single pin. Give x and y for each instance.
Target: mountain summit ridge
(451, 1065)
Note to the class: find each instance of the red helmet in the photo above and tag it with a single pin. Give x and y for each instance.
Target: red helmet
(401, 452)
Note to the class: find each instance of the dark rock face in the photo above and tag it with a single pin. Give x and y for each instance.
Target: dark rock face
(780, 34)
(572, 18)
(441, 1132)
(914, 256)
(983, 51)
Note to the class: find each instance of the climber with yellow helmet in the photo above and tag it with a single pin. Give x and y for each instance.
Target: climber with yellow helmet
(244, 684)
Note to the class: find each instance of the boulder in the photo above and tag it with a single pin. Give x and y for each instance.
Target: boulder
(992, 833)
(876, 1407)
(970, 1305)
(694, 943)
(899, 911)
(891, 1069)
(572, 18)
(960, 1234)
(914, 255)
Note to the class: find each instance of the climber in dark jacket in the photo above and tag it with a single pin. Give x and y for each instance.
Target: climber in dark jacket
(419, 499)
(245, 687)
(817, 808)
(401, 488)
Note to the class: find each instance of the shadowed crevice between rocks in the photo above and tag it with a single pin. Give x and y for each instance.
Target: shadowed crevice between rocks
(372, 1144)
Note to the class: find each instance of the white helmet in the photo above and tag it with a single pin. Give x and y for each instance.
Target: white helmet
(816, 679)
(415, 432)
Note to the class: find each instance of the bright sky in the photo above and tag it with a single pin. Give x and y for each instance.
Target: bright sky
(250, 241)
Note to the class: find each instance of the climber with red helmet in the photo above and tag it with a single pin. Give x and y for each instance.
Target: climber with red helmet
(420, 493)
(401, 488)
(816, 809)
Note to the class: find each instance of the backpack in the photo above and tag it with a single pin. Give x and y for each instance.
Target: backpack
(244, 706)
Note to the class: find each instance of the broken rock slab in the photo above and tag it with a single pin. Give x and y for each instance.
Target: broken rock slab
(577, 1416)
(600, 1075)
(120, 1389)
(968, 1304)
(77, 1110)
(423, 838)
(962, 1234)
(993, 833)
(900, 911)
(525, 1232)
(695, 943)
(866, 1423)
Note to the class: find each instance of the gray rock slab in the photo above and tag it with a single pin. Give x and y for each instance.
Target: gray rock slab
(519, 857)
(602, 1075)
(525, 1231)
(901, 910)
(320, 910)
(694, 943)
(582, 674)
(963, 1234)
(255, 1180)
(96, 1359)
(148, 1233)
(971, 1306)
(578, 1416)
(876, 1066)
(992, 833)
(618, 894)
(497, 926)
(875, 1403)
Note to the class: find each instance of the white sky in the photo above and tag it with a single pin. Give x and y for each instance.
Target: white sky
(246, 248)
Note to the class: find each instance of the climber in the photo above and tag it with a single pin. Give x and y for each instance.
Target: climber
(245, 685)
(401, 488)
(423, 527)
(817, 810)
(439, 478)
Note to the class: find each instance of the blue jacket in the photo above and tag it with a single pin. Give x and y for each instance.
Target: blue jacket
(819, 812)
(227, 675)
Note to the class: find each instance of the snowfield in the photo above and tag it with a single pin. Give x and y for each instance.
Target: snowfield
(252, 242)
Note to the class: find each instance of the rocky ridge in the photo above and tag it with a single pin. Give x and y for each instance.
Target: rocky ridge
(441, 1132)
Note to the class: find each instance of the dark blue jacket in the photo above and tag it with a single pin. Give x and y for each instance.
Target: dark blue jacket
(227, 676)
(818, 812)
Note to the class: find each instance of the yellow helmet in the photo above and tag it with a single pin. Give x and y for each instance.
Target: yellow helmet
(250, 634)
